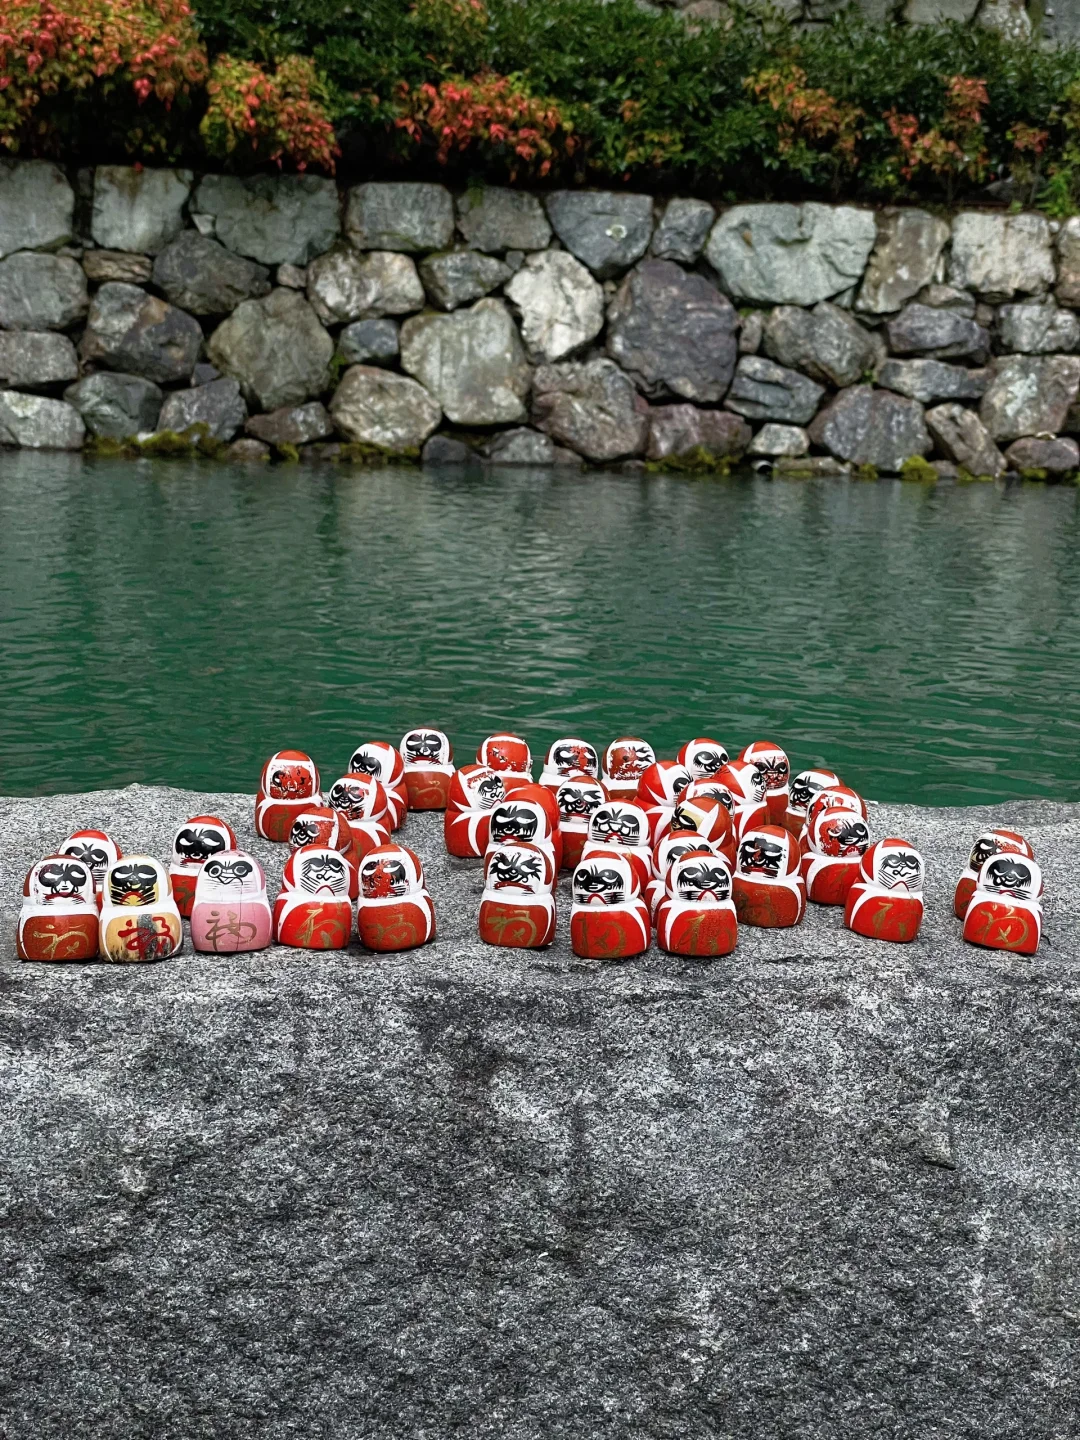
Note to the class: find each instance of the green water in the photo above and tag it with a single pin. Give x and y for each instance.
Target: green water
(176, 623)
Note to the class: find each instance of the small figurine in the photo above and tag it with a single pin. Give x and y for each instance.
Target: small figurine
(805, 786)
(289, 781)
(885, 901)
(395, 911)
(313, 910)
(697, 916)
(517, 908)
(524, 815)
(836, 797)
(767, 887)
(774, 767)
(669, 848)
(1004, 912)
(622, 826)
(510, 756)
(474, 792)
(711, 821)
(429, 768)
(231, 914)
(383, 762)
(710, 790)
(990, 842)
(746, 784)
(609, 919)
(363, 804)
(625, 761)
(567, 757)
(703, 758)
(839, 838)
(59, 915)
(193, 844)
(659, 790)
(95, 848)
(139, 918)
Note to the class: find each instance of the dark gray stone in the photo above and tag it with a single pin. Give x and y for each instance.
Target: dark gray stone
(674, 333)
(410, 217)
(276, 348)
(763, 390)
(445, 450)
(930, 381)
(218, 406)
(607, 231)
(682, 231)
(30, 358)
(592, 409)
(961, 437)
(37, 206)
(275, 219)
(948, 297)
(905, 258)
(129, 330)
(872, 427)
(826, 343)
(204, 278)
(116, 406)
(457, 277)
(676, 431)
(370, 342)
(942, 334)
(292, 425)
(41, 292)
(1056, 457)
(496, 219)
(204, 372)
(518, 447)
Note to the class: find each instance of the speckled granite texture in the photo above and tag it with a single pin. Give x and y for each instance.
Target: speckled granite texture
(823, 1188)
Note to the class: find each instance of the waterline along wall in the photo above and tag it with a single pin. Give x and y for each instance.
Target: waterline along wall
(153, 310)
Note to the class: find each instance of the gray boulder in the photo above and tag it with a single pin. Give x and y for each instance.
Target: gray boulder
(938, 12)
(370, 342)
(41, 292)
(219, 406)
(1037, 328)
(496, 219)
(246, 451)
(344, 285)
(204, 278)
(409, 217)
(391, 412)
(31, 358)
(456, 277)
(561, 305)
(942, 334)
(34, 422)
(605, 230)
(592, 409)
(275, 219)
(292, 425)
(930, 381)
(116, 406)
(37, 206)
(138, 209)
(961, 437)
(677, 431)
(872, 427)
(129, 330)
(763, 390)
(1058, 456)
(276, 348)
(1009, 18)
(826, 343)
(673, 332)
(519, 447)
(791, 254)
(1068, 262)
(905, 259)
(472, 361)
(948, 297)
(443, 450)
(998, 256)
(103, 265)
(780, 440)
(683, 230)
(1030, 395)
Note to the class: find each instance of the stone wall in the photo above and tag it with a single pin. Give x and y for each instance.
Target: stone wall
(275, 315)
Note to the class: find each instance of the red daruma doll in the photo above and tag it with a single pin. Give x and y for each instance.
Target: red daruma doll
(619, 825)
(746, 785)
(625, 761)
(767, 887)
(313, 910)
(193, 844)
(1004, 912)
(59, 915)
(96, 849)
(139, 918)
(510, 757)
(609, 919)
(231, 914)
(395, 910)
(775, 770)
(703, 758)
(429, 768)
(530, 813)
(289, 782)
(885, 901)
(578, 798)
(697, 917)
(361, 802)
(517, 908)
(710, 820)
(838, 840)
(990, 842)
(566, 757)
(805, 786)
(474, 792)
(669, 848)
(658, 793)
(383, 762)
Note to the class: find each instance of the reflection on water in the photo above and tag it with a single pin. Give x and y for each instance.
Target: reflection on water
(166, 622)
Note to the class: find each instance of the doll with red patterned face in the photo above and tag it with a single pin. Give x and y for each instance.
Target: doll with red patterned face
(669, 848)
(802, 791)
(658, 793)
(474, 792)
(625, 761)
(289, 781)
(362, 803)
(619, 825)
(59, 915)
(839, 838)
(527, 815)
(193, 844)
(834, 797)
(510, 757)
(517, 907)
(566, 757)
(96, 849)
(885, 901)
(1004, 912)
(313, 910)
(990, 842)
(383, 762)
(578, 797)
(710, 819)
(609, 919)
(231, 914)
(429, 767)
(697, 916)
(746, 785)
(395, 910)
(775, 770)
(704, 758)
(767, 887)
(139, 918)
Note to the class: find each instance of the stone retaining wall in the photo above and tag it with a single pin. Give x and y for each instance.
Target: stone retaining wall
(277, 315)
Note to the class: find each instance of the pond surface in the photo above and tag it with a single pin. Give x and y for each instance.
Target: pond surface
(171, 622)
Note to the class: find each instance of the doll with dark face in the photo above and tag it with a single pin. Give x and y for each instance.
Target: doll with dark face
(885, 901)
(290, 780)
(193, 844)
(474, 792)
(313, 910)
(990, 842)
(697, 916)
(428, 758)
(395, 910)
(362, 803)
(621, 825)
(767, 888)
(95, 848)
(517, 908)
(139, 917)
(231, 913)
(383, 762)
(746, 785)
(1005, 910)
(609, 919)
(59, 915)
(839, 838)
(659, 790)
(669, 848)
(530, 813)
(833, 797)
(801, 792)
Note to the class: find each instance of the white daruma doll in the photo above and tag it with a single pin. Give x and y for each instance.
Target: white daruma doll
(383, 762)
(990, 842)
(569, 756)
(95, 848)
(838, 840)
(429, 768)
(139, 918)
(669, 848)
(362, 803)
(621, 825)
(704, 758)
(1004, 912)
(578, 798)
(802, 790)
(517, 908)
(59, 915)
(231, 912)
(531, 813)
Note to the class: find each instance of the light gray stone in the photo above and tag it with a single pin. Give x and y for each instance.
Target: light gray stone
(368, 342)
(292, 425)
(345, 285)
(751, 329)
(1038, 328)
(763, 390)
(37, 206)
(939, 12)
(276, 348)
(948, 297)
(786, 440)
(275, 219)
(682, 231)
(399, 216)
(998, 256)
(941, 334)
(677, 431)
(100, 266)
(561, 305)
(203, 277)
(1009, 18)
(218, 406)
(930, 381)
(810, 467)
(392, 412)
(606, 230)
(32, 358)
(496, 219)
(519, 447)
(1030, 395)
(116, 406)
(872, 427)
(962, 438)
(129, 330)
(674, 333)
(592, 409)
(905, 258)
(826, 343)
(1068, 262)
(1054, 457)
(472, 361)
(456, 277)
(293, 277)
(791, 254)
(34, 422)
(246, 451)
(443, 450)
(138, 209)
(41, 292)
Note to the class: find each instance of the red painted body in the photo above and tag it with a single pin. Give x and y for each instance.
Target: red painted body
(290, 780)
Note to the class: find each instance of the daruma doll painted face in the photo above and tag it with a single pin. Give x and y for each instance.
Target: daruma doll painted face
(59, 915)
(428, 759)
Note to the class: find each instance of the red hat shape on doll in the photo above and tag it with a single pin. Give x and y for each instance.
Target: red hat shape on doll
(59, 915)
(840, 833)
(770, 760)
(710, 790)
(703, 757)
(96, 848)
(836, 797)
(662, 783)
(505, 753)
(569, 756)
(320, 825)
(990, 842)
(708, 817)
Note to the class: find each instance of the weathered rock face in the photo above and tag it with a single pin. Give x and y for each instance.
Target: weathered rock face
(292, 425)
(276, 348)
(519, 447)
(375, 407)
(938, 12)
(41, 292)
(964, 439)
(561, 305)
(677, 431)
(826, 343)
(905, 259)
(36, 422)
(406, 217)
(138, 209)
(1029, 395)
(780, 440)
(1039, 328)
(370, 342)
(218, 406)
(456, 277)
(275, 219)
(929, 381)
(791, 254)
(102, 265)
(944, 334)
(344, 285)
(204, 278)
(129, 330)
(472, 361)
(683, 230)
(497, 220)
(1068, 262)
(674, 333)
(442, 450)
(30, 359)
(37, 206)
(116, 406)
(1059, 456)
(763, 390)
(999, 256)
(606, 231)
(872, 427)
(591, 408)
(751, 330)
